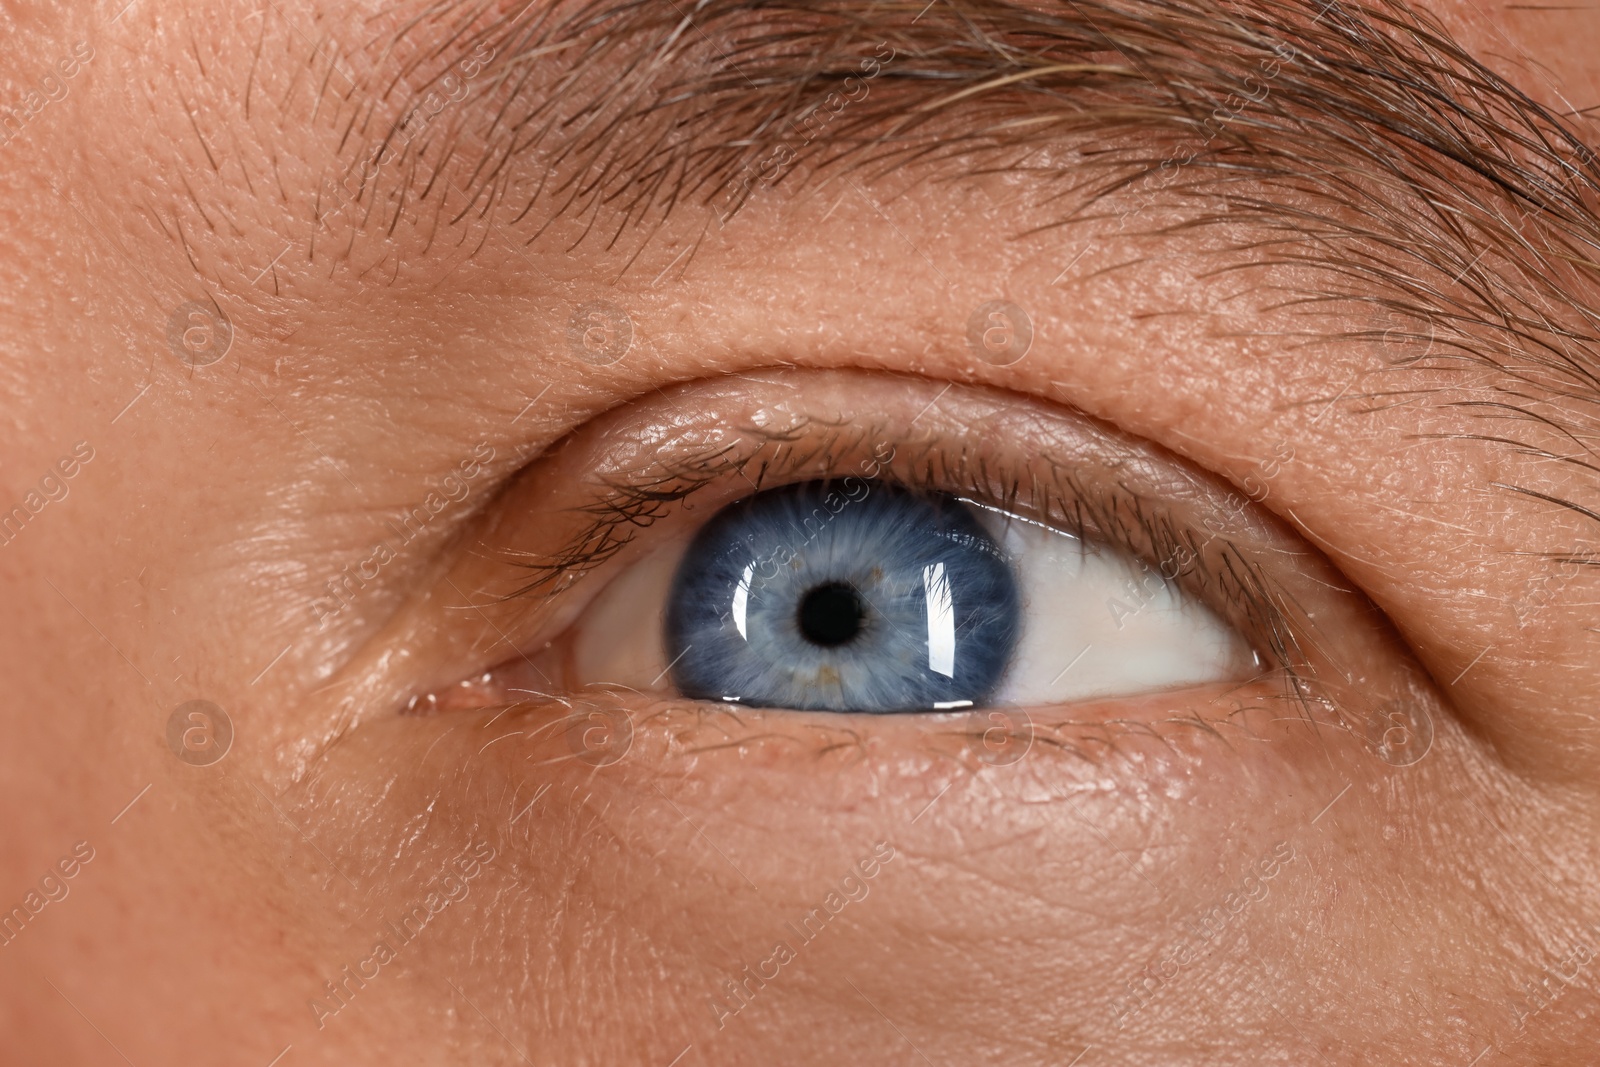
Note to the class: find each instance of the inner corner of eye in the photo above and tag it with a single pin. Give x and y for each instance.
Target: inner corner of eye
(885, 599)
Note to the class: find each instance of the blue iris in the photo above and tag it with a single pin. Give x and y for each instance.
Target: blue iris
(843, 596)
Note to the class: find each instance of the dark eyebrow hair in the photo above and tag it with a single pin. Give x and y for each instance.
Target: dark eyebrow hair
(729, 81)
(1389, 141)
(1353, 142)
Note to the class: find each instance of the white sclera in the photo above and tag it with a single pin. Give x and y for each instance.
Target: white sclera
(1095, 623)
(1099, 623)
(617, 640)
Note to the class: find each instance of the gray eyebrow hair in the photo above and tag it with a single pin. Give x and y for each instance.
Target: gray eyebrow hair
(1353, 141)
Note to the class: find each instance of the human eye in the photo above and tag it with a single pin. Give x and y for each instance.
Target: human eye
(856, 595)
(569, 443)
(782, 543)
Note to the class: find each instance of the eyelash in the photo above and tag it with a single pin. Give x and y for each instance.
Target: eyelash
(637, 499)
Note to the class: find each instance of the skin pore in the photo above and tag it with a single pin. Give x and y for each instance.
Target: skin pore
(324, 320)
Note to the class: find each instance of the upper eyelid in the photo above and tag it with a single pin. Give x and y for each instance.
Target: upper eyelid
(628, 501)
(633, 499)
(1428, 274)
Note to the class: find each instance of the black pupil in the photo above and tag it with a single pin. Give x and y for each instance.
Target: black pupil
(831, 614)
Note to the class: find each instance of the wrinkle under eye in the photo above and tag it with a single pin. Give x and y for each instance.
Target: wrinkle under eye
(835, 597)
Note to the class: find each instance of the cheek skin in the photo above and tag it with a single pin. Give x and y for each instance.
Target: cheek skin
(1105, 872)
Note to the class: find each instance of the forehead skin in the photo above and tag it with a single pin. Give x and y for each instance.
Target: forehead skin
(188, 161)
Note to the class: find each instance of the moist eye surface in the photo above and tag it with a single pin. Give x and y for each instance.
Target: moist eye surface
(843, 596)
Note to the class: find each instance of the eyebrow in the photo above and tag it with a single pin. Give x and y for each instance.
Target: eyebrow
(1431, 199)
(1385, 132)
